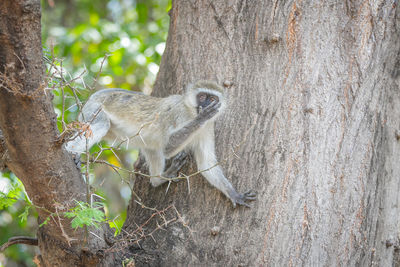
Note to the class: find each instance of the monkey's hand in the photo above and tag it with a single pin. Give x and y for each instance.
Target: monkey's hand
(177, 138)
(176, 165)
(208, 112)
(241, 199)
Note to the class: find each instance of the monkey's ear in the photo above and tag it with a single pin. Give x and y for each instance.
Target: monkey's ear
(190, 98)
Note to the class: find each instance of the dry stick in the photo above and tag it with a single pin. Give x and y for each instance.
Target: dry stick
(183, 176)
(64, 83)
(73, 89)
(68, 84)
(185, 224)
(140, 234)
(87, 186)
(32, 241)
(151, 176)
(87, 171)
(139, 131)
(117, 169)
(64, 234)
(61, 138)
(101, 69)
(51, 74)
(63, 97)
(180, 218)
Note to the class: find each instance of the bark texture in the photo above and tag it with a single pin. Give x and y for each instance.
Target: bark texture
(28, 122)
(316, 87)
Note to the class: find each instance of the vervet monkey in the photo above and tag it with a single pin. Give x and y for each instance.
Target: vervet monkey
(162, 128)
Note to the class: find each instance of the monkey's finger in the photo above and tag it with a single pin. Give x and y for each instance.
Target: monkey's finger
(217, 105)
(250, 193)
(212, 109)
(213, 105)
(244, 204)
(179, 164)
(250, 196)
(182, 155)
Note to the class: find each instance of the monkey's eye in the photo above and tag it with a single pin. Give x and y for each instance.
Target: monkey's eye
(201, 97)
(214, 98)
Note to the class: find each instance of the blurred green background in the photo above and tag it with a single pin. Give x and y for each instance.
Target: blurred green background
(128, 36)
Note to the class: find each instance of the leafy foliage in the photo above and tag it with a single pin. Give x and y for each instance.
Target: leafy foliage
(16, 218)
(12, 196)
(117, 223)
(84, 214)
(24, 216)
(133, 33)
(45, 221)
(14, 193)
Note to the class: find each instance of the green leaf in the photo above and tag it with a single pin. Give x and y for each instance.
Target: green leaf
(9, 198)
(45, 221)
(117, 225)
(24, 216)
(83, 214)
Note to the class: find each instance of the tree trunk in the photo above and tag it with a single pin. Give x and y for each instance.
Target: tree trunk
(313, 125)
(28, 122)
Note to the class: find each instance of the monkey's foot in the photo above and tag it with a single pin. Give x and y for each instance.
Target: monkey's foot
(176, 165)
(241, 199)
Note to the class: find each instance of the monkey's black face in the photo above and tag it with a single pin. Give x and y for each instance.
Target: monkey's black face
(204, 99)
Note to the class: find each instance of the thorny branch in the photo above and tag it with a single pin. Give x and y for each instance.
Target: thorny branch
(56, 79)
(141, 232)
(182, 176)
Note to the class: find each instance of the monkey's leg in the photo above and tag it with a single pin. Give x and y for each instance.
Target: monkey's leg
(177, 163)
(156, 162)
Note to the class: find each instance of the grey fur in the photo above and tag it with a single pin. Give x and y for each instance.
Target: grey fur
(161, 128)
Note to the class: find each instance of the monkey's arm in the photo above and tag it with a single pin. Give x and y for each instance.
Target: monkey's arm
(179, 139)
(204, 153)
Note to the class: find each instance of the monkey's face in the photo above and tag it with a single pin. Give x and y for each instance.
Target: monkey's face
(205, 99)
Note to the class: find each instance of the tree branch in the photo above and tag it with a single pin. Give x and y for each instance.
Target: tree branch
(32, 241)
(29, 130)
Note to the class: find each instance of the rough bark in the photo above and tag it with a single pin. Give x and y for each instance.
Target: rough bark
(313, 106)
(28, 122)
(317, 85)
